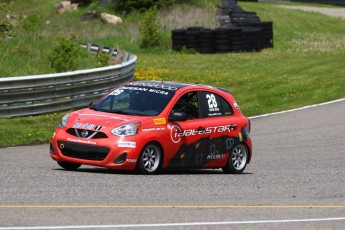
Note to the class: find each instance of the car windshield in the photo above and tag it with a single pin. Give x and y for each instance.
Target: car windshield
(133, 100)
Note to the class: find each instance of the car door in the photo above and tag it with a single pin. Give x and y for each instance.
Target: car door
(220, 124)
(188, 134)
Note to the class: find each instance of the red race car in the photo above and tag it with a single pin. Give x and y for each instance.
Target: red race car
(153, 125)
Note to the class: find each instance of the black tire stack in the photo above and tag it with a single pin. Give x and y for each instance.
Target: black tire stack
(236, 39)
(192, 38)
(222, 40)
(179, 38)
(240, 31)
(243, 17)
(267, 33)
(267, 39)
(206, 41)
(252, 39)
(223, 12)
(219, 40)
(249, 22)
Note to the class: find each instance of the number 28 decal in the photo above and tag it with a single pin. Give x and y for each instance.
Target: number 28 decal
(212, 102)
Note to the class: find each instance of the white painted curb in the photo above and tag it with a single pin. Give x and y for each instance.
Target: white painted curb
(292, 110)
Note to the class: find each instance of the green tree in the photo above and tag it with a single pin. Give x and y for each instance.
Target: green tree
(149, 29)
(64, 55)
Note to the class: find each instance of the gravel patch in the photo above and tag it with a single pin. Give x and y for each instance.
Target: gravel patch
(334, 12)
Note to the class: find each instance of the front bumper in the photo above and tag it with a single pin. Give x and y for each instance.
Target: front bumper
(101, 152)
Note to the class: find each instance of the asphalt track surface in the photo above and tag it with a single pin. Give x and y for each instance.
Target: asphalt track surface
(296, 181)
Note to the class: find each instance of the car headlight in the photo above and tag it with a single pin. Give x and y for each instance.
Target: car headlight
(127, 129)
(64, 121)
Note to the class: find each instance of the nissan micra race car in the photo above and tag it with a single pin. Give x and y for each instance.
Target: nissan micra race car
(151, 125)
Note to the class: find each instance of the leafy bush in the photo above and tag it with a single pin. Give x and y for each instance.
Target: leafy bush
(5, 28)
(64, 54)
(5, 25)
(102, 59)
(31, 23)
(149, 29)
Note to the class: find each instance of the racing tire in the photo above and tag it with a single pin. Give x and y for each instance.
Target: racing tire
(69, 166)
(238, 159)
(150, 159)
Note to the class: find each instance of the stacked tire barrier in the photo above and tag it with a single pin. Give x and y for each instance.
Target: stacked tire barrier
(239, 31)
(178, 39)
(206, 38)
(249, 21)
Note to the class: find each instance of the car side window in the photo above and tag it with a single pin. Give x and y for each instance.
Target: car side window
(214, 105)
(188, 104)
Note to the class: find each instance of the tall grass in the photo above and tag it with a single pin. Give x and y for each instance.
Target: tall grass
(180, 17)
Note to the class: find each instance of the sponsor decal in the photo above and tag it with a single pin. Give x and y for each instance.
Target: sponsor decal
(229, 143)
(135, 88)
(152, 129)
(203, 151)
(215, 157)
(80, 125)
(214, 114)
(127, 144)
(160, 121)
(117, 92)
(159, 91)
(214, 154)
(120, 90)
(176, 134)
(77, 125)
(131, 160)
(153, 85)
(212, 103)
(236, 105)
(81, 141)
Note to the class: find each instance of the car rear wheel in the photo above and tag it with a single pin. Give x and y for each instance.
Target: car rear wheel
(68, 165)
(238, 159)
(150, 159)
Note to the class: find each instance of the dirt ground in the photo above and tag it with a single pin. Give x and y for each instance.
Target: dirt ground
(334, 12)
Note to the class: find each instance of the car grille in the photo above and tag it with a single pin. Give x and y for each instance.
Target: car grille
(82, 133)
(83, 151)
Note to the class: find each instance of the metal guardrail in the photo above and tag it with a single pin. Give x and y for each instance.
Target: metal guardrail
(40, 94)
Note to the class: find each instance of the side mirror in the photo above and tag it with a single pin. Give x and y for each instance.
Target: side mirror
(178, 116)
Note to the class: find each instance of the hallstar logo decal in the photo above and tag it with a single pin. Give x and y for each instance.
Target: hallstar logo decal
(176, 133)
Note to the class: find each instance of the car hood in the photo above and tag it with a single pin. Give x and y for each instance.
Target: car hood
(90, 119)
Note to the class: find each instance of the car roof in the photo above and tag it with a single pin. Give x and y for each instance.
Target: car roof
(169, 85)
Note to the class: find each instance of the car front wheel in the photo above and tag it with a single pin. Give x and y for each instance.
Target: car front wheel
(150, 159)
(68, 165)
(237, 161)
